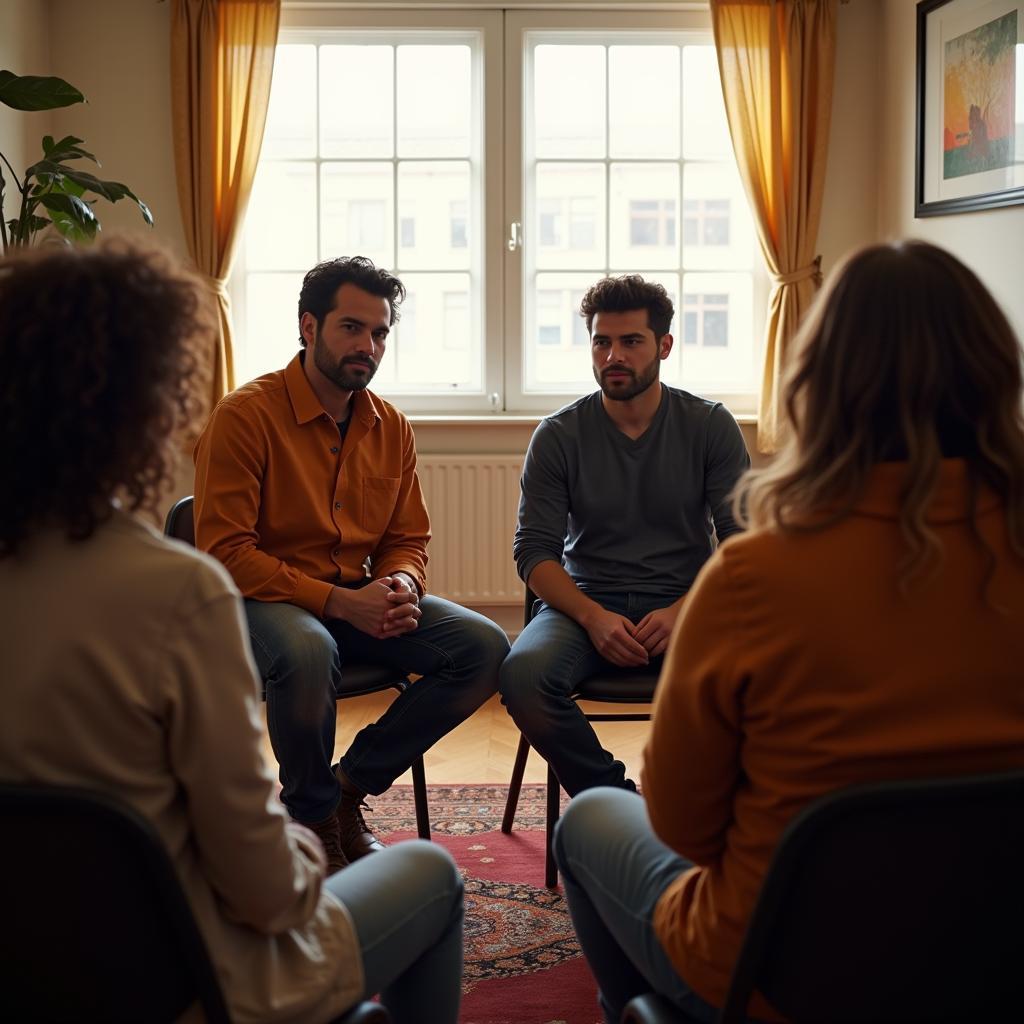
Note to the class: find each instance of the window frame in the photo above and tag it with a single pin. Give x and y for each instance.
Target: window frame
(316, 26)
(501, 79)
(577, 25)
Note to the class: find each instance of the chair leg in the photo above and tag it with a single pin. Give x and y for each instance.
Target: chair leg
(419, 795)
(554, 801)
(515, 784)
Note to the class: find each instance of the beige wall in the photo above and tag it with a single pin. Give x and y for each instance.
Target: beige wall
(117, 52)
(24, 50)
(991, 242)
(850, 206)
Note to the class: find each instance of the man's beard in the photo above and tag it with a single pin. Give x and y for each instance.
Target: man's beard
(637, 385)
(337, 373)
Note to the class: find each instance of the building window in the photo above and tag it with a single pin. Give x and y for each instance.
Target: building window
(706, 320)
(652, 222)
(617, 160)
(549, 222)
(366, 223)
(706, 221)
(549, 318)
(407, 232)
(580, 334)
(405, 334)
(458, 220)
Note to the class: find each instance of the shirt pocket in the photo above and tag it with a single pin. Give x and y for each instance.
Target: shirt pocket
(380, 495)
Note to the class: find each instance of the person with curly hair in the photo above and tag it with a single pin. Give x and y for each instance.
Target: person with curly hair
(867, 627)
(127, 666)
(306, 490)
(623, 493)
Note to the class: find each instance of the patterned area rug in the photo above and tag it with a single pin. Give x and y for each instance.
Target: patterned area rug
(523, 963)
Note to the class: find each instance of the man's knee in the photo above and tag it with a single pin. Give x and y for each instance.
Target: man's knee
(524, 681)
(491, 645)
(292, 647)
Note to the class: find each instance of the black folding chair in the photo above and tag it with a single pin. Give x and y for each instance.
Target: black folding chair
(96, 926)
(358, 679)
(895, 901)
(619, 686)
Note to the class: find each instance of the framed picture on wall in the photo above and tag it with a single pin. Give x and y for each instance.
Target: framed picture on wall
(970, 105)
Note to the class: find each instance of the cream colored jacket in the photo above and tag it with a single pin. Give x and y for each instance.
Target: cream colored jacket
(127, 669)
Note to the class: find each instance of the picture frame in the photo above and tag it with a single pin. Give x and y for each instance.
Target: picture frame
(970, 106)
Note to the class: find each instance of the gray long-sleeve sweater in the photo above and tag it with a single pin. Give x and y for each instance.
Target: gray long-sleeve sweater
(625, 515)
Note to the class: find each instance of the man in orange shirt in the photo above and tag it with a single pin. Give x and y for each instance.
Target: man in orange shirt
(306, 490)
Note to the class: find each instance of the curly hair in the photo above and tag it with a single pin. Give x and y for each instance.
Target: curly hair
(626, 293)
(101, 376)
(904, 357)
(320, 285)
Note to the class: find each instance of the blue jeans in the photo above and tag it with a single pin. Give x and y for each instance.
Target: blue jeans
(615, 870)
(406, 904)
(301, 659)
(549, 659)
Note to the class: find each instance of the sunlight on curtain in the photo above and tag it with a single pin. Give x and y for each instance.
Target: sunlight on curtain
(222, 60)
(777, 61)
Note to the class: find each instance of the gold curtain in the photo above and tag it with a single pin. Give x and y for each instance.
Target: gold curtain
(222, 60)
(777, 62)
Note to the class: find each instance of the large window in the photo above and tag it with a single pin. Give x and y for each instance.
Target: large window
(499, 188)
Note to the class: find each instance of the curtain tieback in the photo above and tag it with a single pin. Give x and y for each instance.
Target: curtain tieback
(217, 285)
(812, 270)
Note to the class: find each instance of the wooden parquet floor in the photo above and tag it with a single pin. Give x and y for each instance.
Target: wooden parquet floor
(483, 748)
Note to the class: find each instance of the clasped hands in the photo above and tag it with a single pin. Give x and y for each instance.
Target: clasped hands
(627, 645)
(386, 607)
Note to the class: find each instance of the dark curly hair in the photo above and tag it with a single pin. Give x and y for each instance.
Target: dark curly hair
(101, 376)
(626, 293)
(320, 285)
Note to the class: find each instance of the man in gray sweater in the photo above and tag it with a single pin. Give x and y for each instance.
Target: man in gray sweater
(623, 492)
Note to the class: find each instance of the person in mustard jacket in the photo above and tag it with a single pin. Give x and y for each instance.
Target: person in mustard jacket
(869, 626)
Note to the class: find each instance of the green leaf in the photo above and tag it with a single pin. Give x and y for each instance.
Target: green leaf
(147, 216)
(71, 205)
(60, 177)
(89, 182)
(66, 149)
(72, 217)
(32, 92)
(37, 223)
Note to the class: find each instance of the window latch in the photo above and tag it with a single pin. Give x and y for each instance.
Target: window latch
(515, 236)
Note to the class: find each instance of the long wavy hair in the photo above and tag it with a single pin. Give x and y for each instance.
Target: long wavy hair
(100, 378)
(904, 357)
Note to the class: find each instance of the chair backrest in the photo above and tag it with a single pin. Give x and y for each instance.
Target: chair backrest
(894, 901)
(95, 923)
(180, 523)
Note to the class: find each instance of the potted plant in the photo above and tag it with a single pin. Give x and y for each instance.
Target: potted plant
(52, 192)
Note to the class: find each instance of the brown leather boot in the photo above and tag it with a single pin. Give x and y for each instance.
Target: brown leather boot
(356, 838)
(327, 832)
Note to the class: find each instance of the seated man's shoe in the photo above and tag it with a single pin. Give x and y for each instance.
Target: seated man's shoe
(330, 838)
(356, 838)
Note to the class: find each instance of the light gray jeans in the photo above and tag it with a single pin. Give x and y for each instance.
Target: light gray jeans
(615, 869)
(406, 904)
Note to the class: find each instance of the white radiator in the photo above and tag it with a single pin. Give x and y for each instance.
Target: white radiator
(472, 500)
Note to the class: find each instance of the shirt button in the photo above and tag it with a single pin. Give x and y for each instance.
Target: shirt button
(337, 504)
(334, 450)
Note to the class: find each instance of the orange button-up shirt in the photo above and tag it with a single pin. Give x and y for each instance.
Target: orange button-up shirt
(289, 509)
